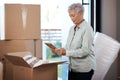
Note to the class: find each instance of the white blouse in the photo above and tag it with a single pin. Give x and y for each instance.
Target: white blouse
(80, 48)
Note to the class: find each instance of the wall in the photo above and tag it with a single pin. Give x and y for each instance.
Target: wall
(118, 20)
(109, 17)
(118, 33)
(109, 27)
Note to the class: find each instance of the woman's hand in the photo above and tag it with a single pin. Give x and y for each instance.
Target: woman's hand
(59, 51)
(63, 51)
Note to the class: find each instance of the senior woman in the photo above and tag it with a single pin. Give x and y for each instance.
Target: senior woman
(79, 47)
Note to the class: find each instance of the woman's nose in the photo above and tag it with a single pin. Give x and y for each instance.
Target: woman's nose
(72, 19)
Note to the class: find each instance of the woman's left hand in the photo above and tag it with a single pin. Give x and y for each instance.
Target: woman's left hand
(60, 51)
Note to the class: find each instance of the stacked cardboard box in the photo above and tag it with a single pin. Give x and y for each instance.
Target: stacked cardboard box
(19, 31)
(33, 46)
(20, 21)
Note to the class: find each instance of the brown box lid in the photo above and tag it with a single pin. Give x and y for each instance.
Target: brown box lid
(18, 60)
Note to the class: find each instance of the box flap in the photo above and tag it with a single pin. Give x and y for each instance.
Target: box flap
(52, 63)
(27, 60)
(56, 62)
(17, 58)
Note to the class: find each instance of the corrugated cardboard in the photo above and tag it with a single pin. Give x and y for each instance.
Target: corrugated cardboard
(38, 45)
(1, 71)
(22, 71)
(7, 70)
(16, 46)
(33, 46)
(44, 72)
(8, 67)
(20, 21)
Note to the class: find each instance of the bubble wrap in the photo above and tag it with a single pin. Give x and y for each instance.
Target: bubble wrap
(106, 51)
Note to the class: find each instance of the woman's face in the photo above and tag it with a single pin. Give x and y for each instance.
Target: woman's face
(75, 17)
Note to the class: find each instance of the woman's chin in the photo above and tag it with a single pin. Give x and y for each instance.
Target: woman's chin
(75, 22)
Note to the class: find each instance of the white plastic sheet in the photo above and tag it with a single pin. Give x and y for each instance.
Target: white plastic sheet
(106, 51)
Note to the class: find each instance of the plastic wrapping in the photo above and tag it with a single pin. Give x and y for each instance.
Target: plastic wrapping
(106, 51)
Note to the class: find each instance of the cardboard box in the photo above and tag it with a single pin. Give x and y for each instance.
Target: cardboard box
(38, 47)
(23, 71)
(7, 70)
(33, 46)
(1, 71)
(20, 21)
(16, 46)
(8, 67)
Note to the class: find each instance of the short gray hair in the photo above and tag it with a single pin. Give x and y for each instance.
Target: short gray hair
(78, 7)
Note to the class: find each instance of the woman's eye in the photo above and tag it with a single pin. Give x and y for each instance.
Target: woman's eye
(72, 15)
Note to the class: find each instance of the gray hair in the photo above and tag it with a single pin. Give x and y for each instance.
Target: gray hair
(78, 7)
